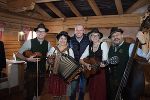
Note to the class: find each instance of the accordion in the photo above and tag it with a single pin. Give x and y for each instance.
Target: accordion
(68, 68)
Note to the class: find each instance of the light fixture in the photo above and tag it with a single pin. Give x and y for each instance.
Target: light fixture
(21, 36)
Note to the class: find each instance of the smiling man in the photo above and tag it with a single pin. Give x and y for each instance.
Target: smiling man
(78, 43)
(42, 46)
(115, 73)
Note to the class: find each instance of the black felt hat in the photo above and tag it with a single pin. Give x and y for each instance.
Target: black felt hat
(41, 25)
(114, 30)
(95, 30)
(63, 33)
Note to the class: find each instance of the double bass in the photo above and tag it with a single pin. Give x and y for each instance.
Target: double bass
(133, 77)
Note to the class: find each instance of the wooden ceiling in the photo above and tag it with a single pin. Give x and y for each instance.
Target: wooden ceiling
(50, 9)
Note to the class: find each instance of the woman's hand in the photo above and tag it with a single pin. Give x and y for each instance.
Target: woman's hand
(102, 64)
(88, 66)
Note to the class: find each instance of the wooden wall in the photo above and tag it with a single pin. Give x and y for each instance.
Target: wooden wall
(12, 44)
(126, 20)
(51, 37)
(13, 26)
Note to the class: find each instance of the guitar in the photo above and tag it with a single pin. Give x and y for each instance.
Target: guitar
(95, 65)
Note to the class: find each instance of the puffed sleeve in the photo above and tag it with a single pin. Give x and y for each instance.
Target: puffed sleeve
(71, 52)
(51, 51)
(105, 49)
(49, 46)
(139, 51)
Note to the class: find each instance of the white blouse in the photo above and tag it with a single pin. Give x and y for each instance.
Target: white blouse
(104, 48)
(53, 50)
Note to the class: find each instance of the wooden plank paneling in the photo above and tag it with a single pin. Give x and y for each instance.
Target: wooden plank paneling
(51, 37)
(126, 20)
(11, 47)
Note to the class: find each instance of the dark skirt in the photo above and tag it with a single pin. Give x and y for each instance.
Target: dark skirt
(57, 86)
(97, 86)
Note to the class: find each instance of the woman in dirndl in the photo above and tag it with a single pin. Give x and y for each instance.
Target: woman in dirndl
(99, 50)
(57, 86)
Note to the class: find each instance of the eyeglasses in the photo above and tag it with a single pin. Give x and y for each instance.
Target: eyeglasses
(94, 35)
(40, 31)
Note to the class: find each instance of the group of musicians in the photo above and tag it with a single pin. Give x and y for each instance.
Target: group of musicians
(104, 84)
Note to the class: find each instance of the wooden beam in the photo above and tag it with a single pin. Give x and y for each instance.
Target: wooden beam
(3, 1)
(44, 1)
(73, 8)
(42, 12)
(138, 4)
(3, 4)
(15, 21)
(55, 9)
(19, 15)
(126, 20)
(20, 5)
(26, 14)
(32, 14)
(94, 7)
(119, 6)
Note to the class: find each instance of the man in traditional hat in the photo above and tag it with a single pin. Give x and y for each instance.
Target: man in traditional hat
(37, 46)
(114, 74)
